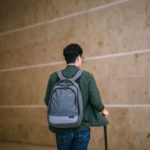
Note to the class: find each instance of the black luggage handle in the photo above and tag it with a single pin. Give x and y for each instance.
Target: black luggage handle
(105, 137)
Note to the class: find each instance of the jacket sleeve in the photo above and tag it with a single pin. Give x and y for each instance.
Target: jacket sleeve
(50, 85)
(94, 95)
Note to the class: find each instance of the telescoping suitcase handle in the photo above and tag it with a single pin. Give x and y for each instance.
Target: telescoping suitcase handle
(105, 137)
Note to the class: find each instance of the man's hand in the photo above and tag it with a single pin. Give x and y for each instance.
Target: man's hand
(104, 112)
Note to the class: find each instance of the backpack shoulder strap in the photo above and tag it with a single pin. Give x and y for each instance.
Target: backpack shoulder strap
(60, 75)
(77, 75)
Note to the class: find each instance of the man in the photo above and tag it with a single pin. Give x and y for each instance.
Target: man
(78, 138)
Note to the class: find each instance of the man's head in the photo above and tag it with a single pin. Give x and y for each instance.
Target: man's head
(73, 54)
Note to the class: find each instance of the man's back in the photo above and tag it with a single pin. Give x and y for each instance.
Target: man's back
(91, 97)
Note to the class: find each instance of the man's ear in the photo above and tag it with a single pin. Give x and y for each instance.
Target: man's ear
(77, 59)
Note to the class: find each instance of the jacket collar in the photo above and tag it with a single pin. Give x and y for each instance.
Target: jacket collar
(72, 67)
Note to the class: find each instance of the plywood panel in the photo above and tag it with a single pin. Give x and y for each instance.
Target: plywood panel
(125, 124)
(25, 87)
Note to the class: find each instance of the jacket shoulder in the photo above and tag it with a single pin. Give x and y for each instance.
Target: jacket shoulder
(53, 76)
(88, 74)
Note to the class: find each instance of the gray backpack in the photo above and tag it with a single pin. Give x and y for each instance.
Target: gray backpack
(65, 108)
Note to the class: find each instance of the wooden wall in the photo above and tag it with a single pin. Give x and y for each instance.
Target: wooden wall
(115, 36)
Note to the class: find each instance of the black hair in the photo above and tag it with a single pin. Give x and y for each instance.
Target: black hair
(71, 52)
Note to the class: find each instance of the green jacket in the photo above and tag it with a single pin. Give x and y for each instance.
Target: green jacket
(92, 103)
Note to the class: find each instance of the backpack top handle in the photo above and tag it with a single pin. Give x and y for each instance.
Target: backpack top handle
(74, 78)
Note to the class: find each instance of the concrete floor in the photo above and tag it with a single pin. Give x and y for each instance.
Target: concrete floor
(18, 146)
